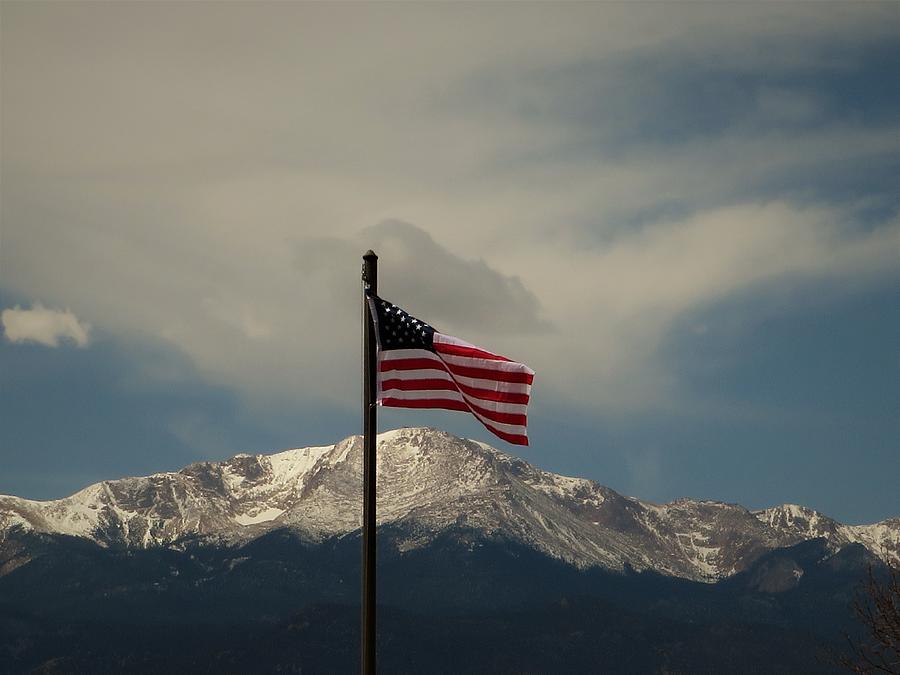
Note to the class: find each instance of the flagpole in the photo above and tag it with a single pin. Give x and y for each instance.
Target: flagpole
(370, 428)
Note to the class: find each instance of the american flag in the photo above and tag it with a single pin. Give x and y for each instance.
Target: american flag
(419, 367)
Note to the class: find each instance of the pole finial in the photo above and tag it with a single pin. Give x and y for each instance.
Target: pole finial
(370, 270)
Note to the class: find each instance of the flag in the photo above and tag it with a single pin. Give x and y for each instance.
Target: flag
(420, 367)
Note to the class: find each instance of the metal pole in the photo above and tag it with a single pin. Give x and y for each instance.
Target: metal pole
(370, 428)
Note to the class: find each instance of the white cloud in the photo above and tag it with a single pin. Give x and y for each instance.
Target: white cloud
(44, 326)
(215, 194)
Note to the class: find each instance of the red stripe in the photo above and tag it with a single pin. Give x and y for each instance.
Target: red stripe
(438, 384)
(501, 417)
(488, 374)
(424, 384)
(491, 395)
(388, 365)
(445, 385)
(445, 403)
(474, 352)
(515, 439)
(450, 404)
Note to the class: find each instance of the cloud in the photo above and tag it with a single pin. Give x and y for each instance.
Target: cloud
(620, 301)
(425, 277)
(44, 326)
(563, 195)
(452, 290)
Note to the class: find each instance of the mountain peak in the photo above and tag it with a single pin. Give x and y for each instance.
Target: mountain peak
(431, 482)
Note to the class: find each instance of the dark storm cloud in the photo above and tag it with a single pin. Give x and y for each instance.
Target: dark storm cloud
(467, 293)
(426, 278)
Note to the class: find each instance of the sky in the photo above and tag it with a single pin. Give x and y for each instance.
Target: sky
(684, 216)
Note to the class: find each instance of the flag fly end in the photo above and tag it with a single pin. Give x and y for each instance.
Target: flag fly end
(420, 367)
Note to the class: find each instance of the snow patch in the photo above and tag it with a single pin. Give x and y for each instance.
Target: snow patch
(290, 465)
(261, 516)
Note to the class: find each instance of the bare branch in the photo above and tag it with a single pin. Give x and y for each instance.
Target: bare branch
(877, 607)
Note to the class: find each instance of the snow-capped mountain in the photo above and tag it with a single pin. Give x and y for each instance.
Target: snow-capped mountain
(430, 482)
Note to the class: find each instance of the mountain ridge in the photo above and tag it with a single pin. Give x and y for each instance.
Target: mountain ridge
(429, 482)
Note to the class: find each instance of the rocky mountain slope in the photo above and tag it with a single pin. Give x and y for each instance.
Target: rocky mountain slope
(429, 482)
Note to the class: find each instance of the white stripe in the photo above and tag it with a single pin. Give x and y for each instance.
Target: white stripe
(468, 361)
(471, 362)
(394, 354)
(418, 375)
(440, 338)
(515, 429)
(455, 396)
(450, 340)
(496, 406)
(490, 385)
